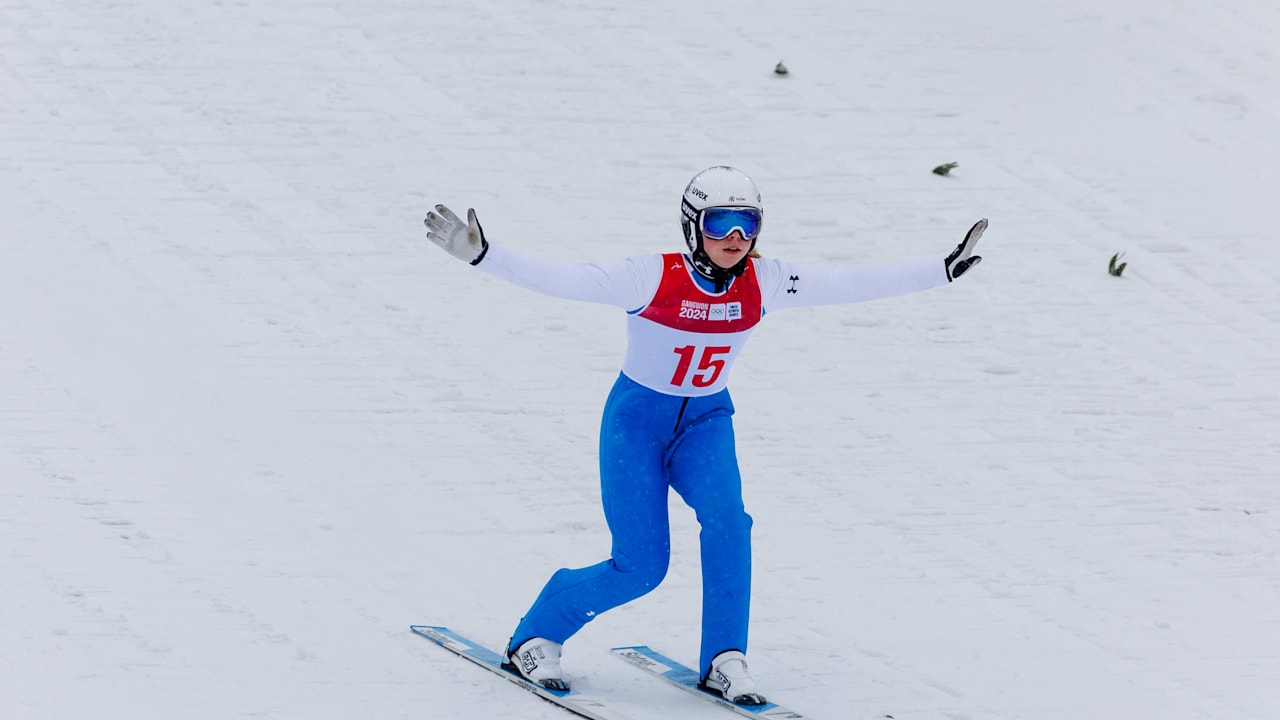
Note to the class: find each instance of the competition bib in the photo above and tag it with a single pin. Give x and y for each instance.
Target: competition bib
(685, 340)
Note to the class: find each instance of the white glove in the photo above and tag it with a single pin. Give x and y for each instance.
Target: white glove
(464, 241)
(962, 258)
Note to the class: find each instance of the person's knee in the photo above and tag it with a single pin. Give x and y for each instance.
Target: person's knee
(641, 576)
(730, 524)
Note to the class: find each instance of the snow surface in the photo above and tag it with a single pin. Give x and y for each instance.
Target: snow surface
(253, 425)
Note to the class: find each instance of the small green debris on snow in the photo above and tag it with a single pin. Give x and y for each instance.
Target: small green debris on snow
(1115, 269)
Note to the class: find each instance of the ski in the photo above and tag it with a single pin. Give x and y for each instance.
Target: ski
(686, 679)
(571, 700)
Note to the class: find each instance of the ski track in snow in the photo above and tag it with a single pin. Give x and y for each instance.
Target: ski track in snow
(253, 425)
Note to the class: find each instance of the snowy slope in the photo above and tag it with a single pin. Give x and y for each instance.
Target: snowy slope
(253, 425)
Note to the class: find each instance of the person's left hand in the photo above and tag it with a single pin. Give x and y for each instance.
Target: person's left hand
(962, 258)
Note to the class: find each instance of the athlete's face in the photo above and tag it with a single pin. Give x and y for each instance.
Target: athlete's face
(728, 251)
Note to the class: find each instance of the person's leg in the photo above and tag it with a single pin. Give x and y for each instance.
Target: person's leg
(634, 493)
(704, 470)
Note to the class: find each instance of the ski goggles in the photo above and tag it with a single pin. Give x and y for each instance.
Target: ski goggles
(717, 223)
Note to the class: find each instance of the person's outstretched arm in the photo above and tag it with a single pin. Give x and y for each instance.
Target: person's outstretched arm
(783, 285)
(629, 283)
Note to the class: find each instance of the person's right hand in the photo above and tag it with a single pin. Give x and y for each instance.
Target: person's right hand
(464, 241)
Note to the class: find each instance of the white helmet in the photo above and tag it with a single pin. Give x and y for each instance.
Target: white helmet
(719, 186)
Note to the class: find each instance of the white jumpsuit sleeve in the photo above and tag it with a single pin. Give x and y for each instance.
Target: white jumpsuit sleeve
(628, 283)
(783, 285)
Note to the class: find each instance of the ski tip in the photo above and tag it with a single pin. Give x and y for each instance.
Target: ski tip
(433, 632)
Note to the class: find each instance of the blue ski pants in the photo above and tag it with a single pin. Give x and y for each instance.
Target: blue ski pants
(649, 442)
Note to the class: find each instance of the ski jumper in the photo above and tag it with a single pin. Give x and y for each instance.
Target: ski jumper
(668, 422)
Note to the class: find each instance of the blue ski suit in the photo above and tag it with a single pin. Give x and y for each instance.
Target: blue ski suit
(649, 442)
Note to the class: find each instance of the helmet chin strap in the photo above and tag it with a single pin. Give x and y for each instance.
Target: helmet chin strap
(711, 271)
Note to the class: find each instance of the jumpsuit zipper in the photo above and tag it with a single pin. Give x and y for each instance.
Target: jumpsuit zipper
(680, 416)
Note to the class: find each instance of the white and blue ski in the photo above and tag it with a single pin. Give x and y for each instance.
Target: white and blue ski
(686, 678)
(571, 700)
